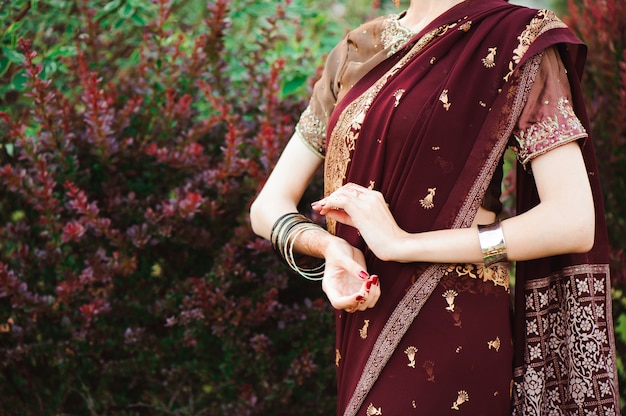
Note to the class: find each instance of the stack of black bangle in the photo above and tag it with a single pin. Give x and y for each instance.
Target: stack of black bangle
(284, 233)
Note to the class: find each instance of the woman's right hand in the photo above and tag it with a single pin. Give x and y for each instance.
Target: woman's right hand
(346, 283)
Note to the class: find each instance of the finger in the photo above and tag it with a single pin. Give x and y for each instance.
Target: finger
(340, 216)
(359, 300)
(344, 301)
(373, 295)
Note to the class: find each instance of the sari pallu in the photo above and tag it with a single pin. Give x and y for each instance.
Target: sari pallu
(427, 127)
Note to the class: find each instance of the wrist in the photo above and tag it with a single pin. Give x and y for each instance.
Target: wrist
(401, 247)
(330, 244)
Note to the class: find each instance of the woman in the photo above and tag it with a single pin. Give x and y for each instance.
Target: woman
(411, 118)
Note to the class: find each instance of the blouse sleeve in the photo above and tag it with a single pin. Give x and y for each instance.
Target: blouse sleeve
(548, 119)
(359, 51)
(311, 127)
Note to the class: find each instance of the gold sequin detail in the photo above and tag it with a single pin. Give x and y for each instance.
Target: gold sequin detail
(398, 95)
(490, 60)
(497, 274)
(461, 398)
(410, 353)
(549, 132)
(363, 331)
(371, 185)
(394, 35)
(465, 27)
(428, 201)
(444, 99)
(337, 357)
(312, 131)
(495, 344)
(450, 295)
(372, 411)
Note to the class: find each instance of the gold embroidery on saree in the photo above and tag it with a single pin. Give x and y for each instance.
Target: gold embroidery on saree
(410, 353)
(462, 397)
(363, 330)
(544, 20)
(449, 295)
(398, 95)
(444, 99)
(496, 274)
(465, 27)
(373, 411)
(570, 343)
(428, 201)
(490, 60)
(337, 357)
(495, 344)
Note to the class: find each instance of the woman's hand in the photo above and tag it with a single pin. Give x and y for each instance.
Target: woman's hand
(367, 211)
(346, 283)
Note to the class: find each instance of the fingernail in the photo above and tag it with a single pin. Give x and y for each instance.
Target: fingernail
(368, 285)
(360, 298)
(363, 274)
(374, 279)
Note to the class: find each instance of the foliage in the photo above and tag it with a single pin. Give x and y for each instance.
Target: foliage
(134, 135)
(602, 26)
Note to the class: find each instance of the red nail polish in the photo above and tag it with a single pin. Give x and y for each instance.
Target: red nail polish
(360, 298)
(368, 285)
(375, 279)
(363, 275)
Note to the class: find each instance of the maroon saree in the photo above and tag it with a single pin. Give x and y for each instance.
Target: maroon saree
(426, 123)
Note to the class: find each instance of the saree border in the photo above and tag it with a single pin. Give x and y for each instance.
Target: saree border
(537, 388)
(409, 307)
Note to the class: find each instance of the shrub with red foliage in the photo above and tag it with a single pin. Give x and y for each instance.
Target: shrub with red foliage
(130, 281)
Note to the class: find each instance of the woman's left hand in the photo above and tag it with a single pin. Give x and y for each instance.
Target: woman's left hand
(367, 211)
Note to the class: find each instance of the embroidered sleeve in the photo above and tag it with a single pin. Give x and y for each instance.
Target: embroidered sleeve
(360, 51)
(312, 131)
(548, 119)
(311, 127)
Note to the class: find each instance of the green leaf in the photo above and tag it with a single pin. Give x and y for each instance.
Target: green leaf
(126, 11)
(112, 5)
(293, 85)
(18, 80)
(63, 51)
(4, 65)
(12, 55)
(620, 328)
(138, 19)
(17, 216)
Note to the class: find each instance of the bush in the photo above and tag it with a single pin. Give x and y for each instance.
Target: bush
(134, 136)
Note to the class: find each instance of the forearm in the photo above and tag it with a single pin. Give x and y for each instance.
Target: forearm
(539, 233)
(284, 187)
